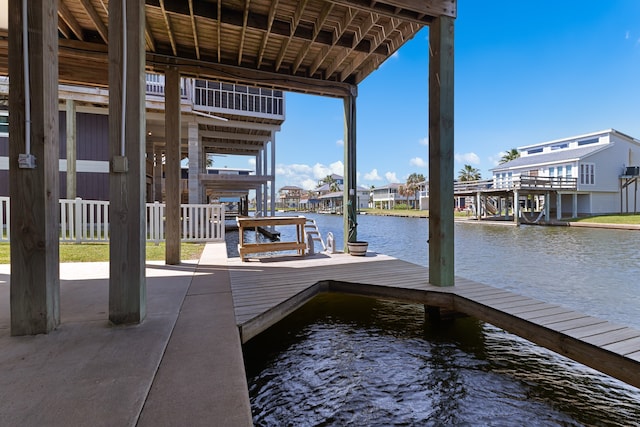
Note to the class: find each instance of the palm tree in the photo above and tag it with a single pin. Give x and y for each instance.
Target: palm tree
(403, 191)
(510, 155)
(327, 180)
(413, 186)
(469, 173)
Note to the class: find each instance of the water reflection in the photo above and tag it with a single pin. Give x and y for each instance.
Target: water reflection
(355, 361)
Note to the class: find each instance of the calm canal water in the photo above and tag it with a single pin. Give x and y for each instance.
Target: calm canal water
(357, 361)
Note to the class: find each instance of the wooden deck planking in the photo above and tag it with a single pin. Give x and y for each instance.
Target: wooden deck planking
(265, 292)
(616, 336)
(625, 347)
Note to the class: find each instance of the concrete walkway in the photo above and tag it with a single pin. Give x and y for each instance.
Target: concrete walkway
(182, 366)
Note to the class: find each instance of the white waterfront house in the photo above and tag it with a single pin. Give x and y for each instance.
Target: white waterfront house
(594, 173)
(388, 196)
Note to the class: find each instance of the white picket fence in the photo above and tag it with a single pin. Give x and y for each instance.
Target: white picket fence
(88, 221)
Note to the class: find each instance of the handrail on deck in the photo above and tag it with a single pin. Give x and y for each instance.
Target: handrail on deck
(522, 182)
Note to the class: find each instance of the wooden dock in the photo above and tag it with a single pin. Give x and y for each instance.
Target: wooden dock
(265, 291)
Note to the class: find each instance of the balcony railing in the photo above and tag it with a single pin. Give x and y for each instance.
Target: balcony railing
(210, 96)
(522, 182)
(88, 221)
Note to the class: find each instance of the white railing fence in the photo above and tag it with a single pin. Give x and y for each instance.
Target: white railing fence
(88, 221)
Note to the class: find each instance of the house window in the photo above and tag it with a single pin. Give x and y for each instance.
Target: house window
(552, 172)
(535, 150)
(588, 141)
(587, 173)
(4, 123)
(560, 171)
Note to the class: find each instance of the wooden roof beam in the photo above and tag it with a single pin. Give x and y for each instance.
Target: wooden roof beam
(320, 21)
(230, 73)
(167, 24)
(151, 43)
(366, 26)
(265, 37)
(294, 25)
(64, 29)
(418, 11)
(97, 21)
(70, 20)
(243, 33)
(194, 29)
(349, 16)
(258, 22)
(219, 29)
(385, 31)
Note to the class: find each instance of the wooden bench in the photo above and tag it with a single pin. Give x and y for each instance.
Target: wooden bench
(251, 248)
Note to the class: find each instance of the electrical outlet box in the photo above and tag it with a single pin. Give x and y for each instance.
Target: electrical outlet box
(119, 164)
(26, 161)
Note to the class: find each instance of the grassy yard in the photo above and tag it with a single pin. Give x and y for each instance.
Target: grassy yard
(610, 219)
(92, 252)
(396, 212)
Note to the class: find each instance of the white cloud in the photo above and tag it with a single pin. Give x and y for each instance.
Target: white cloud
(252, 161)
(418, 162)
(340, 142)
(372, 176)
(396, 55)
(320, 171)
(391, 177)
(468, 158)
(308, 184)
(424, 141)
(305, 176)
(627, 35)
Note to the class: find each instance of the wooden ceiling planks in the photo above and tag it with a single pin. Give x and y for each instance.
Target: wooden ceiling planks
(310, 46)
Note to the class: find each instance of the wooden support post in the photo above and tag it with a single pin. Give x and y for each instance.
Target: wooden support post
(574, 208)
(127, 281)
(172, 164)
(71, 148)
(197, 164)
(441, 139)
(350, 193)
(34, 191)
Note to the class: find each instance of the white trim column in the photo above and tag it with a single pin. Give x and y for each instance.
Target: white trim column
(172, 168)
(197, 162)
(157, 173)
(273, 173)
(70, 113)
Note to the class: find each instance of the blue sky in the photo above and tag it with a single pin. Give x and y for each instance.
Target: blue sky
(526, 71)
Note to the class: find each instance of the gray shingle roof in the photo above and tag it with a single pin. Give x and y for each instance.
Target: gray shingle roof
(552, 157)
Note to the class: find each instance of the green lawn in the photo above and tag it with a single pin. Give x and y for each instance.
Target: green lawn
(91, 252)
(396, 212)
(610, 219)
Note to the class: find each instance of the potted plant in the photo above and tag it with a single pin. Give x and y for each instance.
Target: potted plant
(355, 247)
